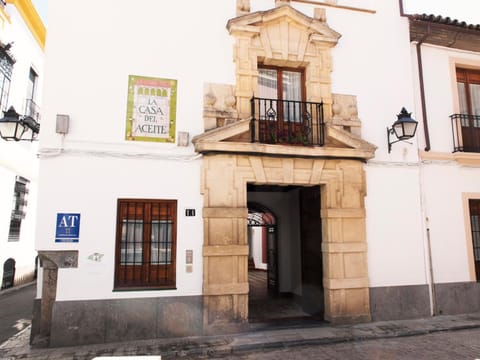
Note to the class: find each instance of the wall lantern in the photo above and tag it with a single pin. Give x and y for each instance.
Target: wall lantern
(16, 127)
(404, 128)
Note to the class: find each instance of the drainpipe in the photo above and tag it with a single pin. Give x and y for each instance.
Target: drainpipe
(400, 5)
(420, 78)
(422, 91)
(433, 293)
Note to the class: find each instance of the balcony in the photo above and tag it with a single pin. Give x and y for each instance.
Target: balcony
(287, 122)
(32, 110)
(466, 133)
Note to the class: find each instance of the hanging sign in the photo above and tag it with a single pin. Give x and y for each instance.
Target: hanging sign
(68, 227)
(151, 109)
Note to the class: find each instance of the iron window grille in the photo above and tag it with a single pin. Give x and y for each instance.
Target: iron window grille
(146, 244)
(18, 208)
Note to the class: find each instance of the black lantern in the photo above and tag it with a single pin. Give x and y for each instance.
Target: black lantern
(404, 128)
(11, 126)
(16, 127)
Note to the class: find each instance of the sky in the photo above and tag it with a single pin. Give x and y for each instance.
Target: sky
(41, 6)
(464, 10)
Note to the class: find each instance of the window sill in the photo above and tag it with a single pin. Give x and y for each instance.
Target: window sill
(143, 288)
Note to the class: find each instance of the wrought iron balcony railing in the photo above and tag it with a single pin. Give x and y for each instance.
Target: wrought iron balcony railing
(287, 122)
(466, 132)
(32, 110)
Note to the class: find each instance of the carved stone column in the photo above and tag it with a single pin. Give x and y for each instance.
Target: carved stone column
(225, 250)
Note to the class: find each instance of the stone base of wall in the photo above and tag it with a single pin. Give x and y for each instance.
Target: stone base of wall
(399, 302)
(409, 302)
(104, 321)
(457, 298)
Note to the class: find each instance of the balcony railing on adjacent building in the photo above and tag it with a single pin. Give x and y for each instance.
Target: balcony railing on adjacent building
(466, 132)
(287, 122)
(32, 110)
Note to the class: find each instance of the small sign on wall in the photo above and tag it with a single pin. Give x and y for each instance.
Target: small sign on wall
(68, 227)
(189, 212)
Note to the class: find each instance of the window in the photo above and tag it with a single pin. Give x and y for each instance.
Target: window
(468, 86)
(286, 86)
(32, 84)
(6, 67)
(474, 206)
(18, 207)
(31, 108)
(145, 244)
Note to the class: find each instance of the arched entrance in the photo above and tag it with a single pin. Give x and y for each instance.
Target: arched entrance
(8, 273)
(262, 245)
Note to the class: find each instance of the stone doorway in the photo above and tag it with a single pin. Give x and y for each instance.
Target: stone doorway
(341, 185)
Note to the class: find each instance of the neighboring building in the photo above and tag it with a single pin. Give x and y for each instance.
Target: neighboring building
(22, 40)
(178, 158)
(447, 71)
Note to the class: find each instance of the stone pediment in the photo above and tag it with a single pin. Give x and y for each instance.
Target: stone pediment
(288, 21)
(233, 138)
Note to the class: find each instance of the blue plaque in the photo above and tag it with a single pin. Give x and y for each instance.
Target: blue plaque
(68, 227)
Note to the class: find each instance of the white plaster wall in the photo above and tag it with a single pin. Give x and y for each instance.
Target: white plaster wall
(89, 62)
(256, 247)
(447, 182)
(371, 61)
(395, 239)
(95, 198)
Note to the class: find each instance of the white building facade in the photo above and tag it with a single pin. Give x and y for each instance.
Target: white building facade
(22, 41)
(168, 126)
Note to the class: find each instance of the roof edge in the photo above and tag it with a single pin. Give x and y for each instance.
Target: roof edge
(32, 20)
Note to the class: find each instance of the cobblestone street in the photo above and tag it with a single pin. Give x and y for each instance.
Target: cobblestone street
(445, 337)
(448, 345)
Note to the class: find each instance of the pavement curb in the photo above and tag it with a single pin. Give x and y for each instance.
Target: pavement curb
(217, 346)
(16, 288)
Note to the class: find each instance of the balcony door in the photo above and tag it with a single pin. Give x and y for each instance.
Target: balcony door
(284, 94)
(468, 85)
